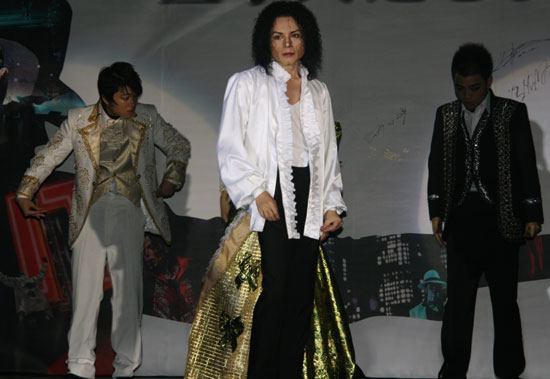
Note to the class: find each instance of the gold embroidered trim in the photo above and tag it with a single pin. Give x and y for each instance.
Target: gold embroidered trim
(73, 239)
(95, 113)
(83, 132)
(26, 195)
(28, 186)
(143, 128)
(168, 241)
(177, 162)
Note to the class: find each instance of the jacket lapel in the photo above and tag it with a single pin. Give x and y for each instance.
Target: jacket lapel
(91, 134)
(136, 129)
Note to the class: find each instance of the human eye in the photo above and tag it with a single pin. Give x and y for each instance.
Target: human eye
(277, 37)
(475, 88)
(297, 35)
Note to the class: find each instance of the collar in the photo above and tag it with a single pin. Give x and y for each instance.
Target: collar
(283, 76)
(104, 118)
(484, 105)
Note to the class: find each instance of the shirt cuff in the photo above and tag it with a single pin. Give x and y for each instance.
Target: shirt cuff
(258, 191)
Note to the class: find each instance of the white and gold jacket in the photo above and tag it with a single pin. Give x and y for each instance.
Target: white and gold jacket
(81, 133)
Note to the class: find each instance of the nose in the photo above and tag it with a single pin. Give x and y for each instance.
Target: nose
(288, 42)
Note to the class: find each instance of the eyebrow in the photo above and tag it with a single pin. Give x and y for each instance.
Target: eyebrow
(469, 86)
(293, 31)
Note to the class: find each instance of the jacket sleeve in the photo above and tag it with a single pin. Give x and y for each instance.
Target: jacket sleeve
(333, 185)
(176, 148)
(435, 170)
(525, 162)
(242, 179)
(45, 161)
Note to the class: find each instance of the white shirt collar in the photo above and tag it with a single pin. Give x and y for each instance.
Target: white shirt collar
(484, 105)
(282, 75)
(104, 117)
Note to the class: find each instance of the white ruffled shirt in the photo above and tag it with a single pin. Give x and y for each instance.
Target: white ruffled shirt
(256, 140)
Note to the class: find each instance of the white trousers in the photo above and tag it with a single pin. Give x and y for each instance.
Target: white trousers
(112, 235)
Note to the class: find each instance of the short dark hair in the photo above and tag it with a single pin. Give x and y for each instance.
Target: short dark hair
(472, 59)
(116, 76)
(261, 37)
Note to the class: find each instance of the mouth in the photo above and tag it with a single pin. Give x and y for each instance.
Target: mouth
(288, 54)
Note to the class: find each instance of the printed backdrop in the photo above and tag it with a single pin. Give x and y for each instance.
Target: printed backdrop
(387, 65)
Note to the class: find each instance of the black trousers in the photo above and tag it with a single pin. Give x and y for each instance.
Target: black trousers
(282, 316)
(474, 247)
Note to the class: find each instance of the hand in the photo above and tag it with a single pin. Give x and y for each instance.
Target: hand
(531, 230)
(29, 208)
(267, 207)
(224, 206)
(437, 228)
(332, 222)
(166, 189)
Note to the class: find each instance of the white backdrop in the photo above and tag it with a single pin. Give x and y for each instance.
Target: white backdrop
(387, 65)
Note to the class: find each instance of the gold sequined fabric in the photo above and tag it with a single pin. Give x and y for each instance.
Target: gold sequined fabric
(329, 352)
(230, 299)
(209, 355)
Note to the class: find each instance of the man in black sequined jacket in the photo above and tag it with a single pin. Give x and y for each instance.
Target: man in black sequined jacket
(484, 199)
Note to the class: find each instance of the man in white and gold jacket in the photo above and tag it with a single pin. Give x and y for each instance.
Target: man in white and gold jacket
(115, 198)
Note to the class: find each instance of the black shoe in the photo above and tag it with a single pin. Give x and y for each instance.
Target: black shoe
(73, 376)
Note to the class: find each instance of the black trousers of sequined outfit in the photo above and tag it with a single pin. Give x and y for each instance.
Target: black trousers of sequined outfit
(474, 247)
(282, 315)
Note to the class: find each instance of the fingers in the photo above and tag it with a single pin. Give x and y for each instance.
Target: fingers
(30, 209)
(269, 211)
(267, 207)
(332, 222)
(331, 226)
(531, 230)
(166, 189)
(324, 236)
(164, 192)
(437, 228)
(440, 240)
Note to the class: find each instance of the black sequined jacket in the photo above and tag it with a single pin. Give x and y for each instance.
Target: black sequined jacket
(499, 159)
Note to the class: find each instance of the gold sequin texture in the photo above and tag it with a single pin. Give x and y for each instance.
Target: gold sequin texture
(329, 351)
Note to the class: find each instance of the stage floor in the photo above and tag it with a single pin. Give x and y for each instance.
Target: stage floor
(31, 376)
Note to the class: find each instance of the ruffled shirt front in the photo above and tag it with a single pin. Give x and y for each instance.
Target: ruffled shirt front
(256, 141)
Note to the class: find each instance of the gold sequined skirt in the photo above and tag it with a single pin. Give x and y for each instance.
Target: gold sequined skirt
(220, 336)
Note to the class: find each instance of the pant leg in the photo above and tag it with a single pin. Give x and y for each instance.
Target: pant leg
(88, 267)
(124, 235)
(299, 306)
(282, 314)
(268, 313)
(458, 316)
(472, 228)
(502, 277)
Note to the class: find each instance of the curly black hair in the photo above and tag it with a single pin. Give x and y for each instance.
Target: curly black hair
(261, 37)
(472, 59)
